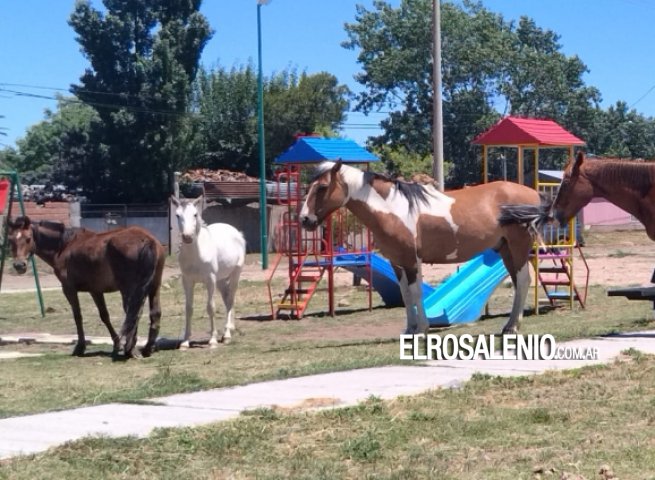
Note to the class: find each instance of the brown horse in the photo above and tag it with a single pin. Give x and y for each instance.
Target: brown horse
(627, 184)
(129, 260)
(414, 223)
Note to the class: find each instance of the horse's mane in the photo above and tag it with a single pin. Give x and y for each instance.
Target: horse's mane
(412, 191)
(637, 175)
(62, 234)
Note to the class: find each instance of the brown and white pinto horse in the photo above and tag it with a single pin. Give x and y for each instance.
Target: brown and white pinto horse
(627, 184)
(128, 260)
(414, 223)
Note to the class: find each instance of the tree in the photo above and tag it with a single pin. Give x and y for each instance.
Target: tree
(486, 62)
(8, 158)
(143, 58)
(226, 107)
(624, 133)
(301, 104)
(58, 149)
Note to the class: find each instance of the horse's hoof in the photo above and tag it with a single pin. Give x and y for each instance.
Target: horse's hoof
(135, 355)
(184, 345)
(510, 331)
(79, 350)
(226, 340)
(213, 343)
(146, 352)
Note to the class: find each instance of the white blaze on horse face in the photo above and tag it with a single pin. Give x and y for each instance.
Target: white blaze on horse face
(187, 220)
(304, 211)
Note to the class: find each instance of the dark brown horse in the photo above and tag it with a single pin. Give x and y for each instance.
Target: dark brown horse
(414, 223)
(128, 260)
(627, 184)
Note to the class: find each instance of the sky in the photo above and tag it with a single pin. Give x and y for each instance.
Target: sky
(39, 55)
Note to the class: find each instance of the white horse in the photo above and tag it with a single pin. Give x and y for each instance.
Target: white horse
(210, 254)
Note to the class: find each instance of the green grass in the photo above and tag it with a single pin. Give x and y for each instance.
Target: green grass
(261, 349)
(493, 428)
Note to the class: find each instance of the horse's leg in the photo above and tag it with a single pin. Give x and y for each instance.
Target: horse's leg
(131, 324)
(134, 300)
(188, 285)
(154, 302)
(211, 309)
(99, 300)
(417, 292)
(74, 301)
(411, 326)
(228, 292)
(515, 251)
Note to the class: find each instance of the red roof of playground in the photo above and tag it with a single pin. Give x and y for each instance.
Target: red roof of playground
(527, 131)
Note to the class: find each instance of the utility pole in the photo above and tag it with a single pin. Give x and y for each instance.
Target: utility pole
(437, 113)
(263, 223)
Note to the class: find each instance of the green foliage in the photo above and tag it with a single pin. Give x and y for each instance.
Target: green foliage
(624, 133)
(405, 163)
(58, 149)
(364, 448)
(8, 158)
(144, 56)
(226, 127)
(489, 64)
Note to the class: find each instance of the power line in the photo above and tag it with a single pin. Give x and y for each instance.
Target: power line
(642, 97)
(461, 115)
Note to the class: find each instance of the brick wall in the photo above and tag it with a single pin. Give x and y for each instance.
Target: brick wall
(53, 211)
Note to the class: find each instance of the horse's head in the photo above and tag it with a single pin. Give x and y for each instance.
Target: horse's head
(21, 242)
(326, 193)
(574, 193)
(188, 217)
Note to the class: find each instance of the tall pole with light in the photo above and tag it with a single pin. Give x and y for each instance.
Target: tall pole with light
(263, 226)
(437, 114)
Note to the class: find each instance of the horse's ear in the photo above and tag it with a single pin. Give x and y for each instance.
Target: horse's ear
(23, 222)
(579, 160)
(333, 173)
(198, 202)
(175, 201)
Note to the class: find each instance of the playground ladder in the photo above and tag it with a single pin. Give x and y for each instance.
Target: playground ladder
(306, 269)
(303, 284)
(554, 272)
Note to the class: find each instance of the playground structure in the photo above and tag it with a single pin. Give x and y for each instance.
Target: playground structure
(343, 242)
(9, 188)
(554, 260)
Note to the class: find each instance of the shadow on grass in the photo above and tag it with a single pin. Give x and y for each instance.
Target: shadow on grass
(338, 313)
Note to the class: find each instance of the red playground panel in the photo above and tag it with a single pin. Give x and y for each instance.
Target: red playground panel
(4, 194)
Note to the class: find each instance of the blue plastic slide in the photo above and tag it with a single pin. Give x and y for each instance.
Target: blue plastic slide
(384, 280)
(458, 299)
(462, 296)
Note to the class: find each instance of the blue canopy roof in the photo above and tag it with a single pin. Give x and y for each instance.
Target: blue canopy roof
(319, 149)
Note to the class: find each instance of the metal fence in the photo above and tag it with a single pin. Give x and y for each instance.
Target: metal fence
(104, 217)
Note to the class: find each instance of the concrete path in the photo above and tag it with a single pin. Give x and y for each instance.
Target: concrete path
(36, 433)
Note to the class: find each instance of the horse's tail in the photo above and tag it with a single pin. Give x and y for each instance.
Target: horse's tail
(149, 264)
(527, 215)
